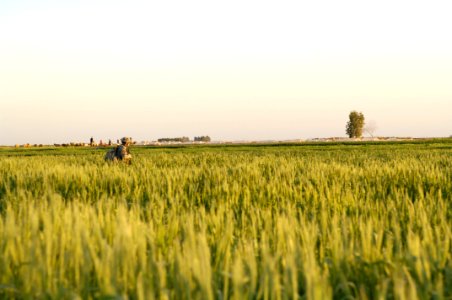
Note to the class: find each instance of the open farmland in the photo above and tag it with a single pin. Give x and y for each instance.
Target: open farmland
(342, 221)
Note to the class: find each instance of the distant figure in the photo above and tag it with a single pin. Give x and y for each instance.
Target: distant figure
(91, 141)
(121, 152)
(109, 142)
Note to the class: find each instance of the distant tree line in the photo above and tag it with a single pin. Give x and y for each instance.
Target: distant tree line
(70, 145)
(183, 139)
(204, 138)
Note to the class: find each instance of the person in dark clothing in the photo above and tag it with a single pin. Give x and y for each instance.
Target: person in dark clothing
(121, 152)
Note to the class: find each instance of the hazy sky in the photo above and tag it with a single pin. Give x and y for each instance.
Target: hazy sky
(233, 70)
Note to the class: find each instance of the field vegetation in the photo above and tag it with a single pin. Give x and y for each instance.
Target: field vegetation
(313, 221)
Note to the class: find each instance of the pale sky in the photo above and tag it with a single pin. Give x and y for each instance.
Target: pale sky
(234, 70)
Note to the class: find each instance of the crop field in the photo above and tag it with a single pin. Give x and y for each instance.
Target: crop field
(308, 221)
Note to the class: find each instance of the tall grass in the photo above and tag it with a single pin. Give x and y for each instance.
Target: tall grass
(342, 222)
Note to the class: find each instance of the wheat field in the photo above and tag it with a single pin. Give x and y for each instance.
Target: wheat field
(334, 221)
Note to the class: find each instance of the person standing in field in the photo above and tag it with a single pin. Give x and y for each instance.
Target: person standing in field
(121, 152)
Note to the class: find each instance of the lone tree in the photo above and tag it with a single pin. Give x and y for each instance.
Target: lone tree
(355, 125)
(370, 128)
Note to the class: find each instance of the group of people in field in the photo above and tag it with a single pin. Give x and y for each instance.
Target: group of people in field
(120, 152)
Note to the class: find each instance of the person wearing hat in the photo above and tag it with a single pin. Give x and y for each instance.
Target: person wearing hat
(121, 152)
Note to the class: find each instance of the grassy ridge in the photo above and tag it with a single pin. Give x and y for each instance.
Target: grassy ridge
(313, 221)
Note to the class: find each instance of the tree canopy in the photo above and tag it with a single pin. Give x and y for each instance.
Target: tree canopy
(355, 124)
